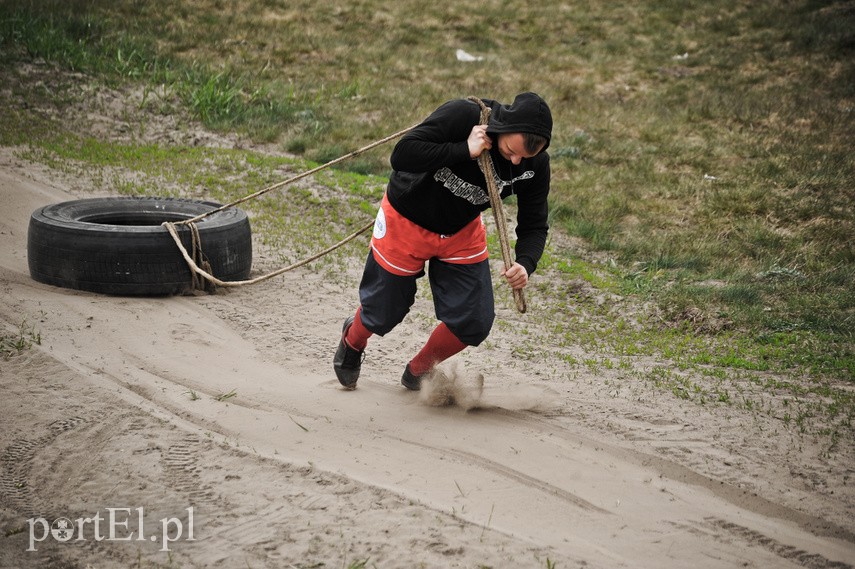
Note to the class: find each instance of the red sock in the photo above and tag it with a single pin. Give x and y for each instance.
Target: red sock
(441, 345)
(357, 334)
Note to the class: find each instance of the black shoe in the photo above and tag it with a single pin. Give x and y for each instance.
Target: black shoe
(347, 361)
(410, 380)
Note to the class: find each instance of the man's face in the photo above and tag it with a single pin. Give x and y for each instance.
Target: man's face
(512, 148)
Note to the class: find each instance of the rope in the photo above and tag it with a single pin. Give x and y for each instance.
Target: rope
(196, 270)
(298, 176)
(198, 258)
(485, 162)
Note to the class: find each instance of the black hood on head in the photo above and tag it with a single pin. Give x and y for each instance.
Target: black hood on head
(528, 113)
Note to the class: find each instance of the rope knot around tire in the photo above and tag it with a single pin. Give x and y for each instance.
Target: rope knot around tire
(206, 275)
(201, 261)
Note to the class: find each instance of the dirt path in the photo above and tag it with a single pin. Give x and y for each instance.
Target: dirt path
(118, 409)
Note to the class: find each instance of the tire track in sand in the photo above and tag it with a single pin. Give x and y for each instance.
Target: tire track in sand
(17, 460)
(788, 552)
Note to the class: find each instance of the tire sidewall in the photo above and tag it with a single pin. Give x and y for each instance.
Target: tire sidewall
(99, 244)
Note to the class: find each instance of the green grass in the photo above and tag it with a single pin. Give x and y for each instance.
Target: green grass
(13, 344)
(80, 39)
(225, 396)
(701, 155)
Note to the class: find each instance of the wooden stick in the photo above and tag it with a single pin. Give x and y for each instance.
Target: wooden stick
(485, 161)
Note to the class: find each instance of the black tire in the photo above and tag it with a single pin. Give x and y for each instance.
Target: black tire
(117, 245)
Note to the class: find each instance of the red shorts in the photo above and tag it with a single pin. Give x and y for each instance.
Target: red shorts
(402, 247)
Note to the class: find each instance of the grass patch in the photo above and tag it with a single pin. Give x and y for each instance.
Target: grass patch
(87, 38)
(226, 396)
(13, 344)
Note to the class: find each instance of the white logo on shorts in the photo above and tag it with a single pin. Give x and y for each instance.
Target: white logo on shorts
(380, 225)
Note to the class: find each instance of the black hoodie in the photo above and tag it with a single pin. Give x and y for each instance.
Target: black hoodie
(435, 184)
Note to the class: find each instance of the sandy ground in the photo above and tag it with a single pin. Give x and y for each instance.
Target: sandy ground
(294, 471)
